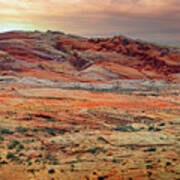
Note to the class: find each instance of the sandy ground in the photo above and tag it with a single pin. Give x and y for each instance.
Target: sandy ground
(54, 134)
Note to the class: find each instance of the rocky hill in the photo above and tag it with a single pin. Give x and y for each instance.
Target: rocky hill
(62, 57)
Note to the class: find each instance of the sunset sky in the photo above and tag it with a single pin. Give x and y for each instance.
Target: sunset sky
(154, 20)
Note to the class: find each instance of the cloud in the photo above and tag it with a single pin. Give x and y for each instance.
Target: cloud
(148, 19)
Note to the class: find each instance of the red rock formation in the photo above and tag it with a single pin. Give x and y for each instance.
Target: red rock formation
(119, 55)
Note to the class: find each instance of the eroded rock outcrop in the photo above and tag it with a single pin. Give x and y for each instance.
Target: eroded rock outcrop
(48, 54)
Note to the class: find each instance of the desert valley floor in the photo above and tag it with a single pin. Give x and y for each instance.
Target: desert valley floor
(52, 133)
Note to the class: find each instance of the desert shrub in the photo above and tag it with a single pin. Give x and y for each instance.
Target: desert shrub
(56, 98)
(28, 159)
(51, 159)
(141, 94)
(100, 138)
(72, 167)
(12, 157)
(42, 148)
(152, 94)
(151, 128)
(21, 146)
(114, 161)
(162, 124)
(51, 120)
(92, 150)
(6, 131)
(51, 171)
(37, 161)
(32, 170)
(29, 163)
(1, 138)
(13, 144)
(21, 129)
(157, 129)
(168, 163)
(50, 131)
(149, 166)
(76, 130)
(55, 162)
(126, 129)
(151, 149)
(3, 162)
(53, 131)
(63, 150)
(121, 128)
(74, 123)
(40, 156)
(22, 154)
(28, 140)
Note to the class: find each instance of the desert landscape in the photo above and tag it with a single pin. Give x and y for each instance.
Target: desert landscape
(75, 108)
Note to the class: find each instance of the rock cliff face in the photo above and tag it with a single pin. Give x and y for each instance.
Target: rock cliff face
(58, 56)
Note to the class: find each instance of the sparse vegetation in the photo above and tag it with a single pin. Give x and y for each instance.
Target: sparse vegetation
(151, 128)
(12, 156)
(6, 131)
(50, 159)
(21, 129)
(92, 150)
(151, 149)
(162, 124)
(168, 163)
(1, 138)
(51, 171)
(149, 166)
(126, 129)
(13, 144)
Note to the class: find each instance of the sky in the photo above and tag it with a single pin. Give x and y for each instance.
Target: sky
(152, 20)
